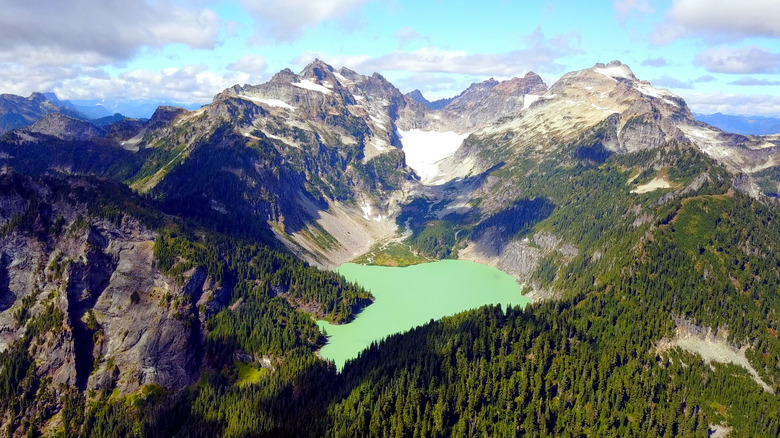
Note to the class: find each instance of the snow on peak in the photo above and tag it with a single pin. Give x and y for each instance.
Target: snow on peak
(425, 149)
(614, 71)
(309, 85)
(647, 89)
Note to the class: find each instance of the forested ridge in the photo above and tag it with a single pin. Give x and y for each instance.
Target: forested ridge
(587, 364)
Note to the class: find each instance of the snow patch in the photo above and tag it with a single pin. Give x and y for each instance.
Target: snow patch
(379, 144)
(707, 140)
(284, 140)
(276, 103)
(529, 99)
(603, 108)
(654, 92)
(425, 149)
(614, 72)
(367, 213)
(309, 85)
(378, 122)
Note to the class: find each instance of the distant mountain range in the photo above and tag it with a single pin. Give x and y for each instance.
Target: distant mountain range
(133, 108)
(437, 104)
(746, 125)
(18, 111)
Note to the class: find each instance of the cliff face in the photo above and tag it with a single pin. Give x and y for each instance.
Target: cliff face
(115, 320)
(485, 102)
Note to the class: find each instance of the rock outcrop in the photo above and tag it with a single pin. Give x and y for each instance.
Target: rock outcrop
(122, 323)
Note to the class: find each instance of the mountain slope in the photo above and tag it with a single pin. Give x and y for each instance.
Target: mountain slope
(102, 292)
(18, 111)
(642, 236)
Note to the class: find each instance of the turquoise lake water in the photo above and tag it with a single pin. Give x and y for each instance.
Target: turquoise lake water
(413, 295)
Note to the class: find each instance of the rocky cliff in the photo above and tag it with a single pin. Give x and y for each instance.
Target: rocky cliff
(115, 320)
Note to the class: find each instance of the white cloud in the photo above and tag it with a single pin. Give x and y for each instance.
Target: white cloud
(541, 55)
(754, 82)
(94, 32)
(286, 20)
(253, 65)
(720, 20)
(249, 63)
(353, 62)
(407, 35)
(625, 8)
(741, 60)
(188, 84)
(709, 103)
(655, 62)
(51, 45)
(670, 82)
(232, 28)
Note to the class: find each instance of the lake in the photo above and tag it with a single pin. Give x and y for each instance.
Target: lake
(413, 295)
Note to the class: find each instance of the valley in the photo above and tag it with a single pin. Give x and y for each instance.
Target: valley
(408, 297)
(163, 277)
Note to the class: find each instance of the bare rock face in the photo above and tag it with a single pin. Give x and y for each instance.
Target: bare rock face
(123, 324)
(164, 115)
(519, 258)
(487, 101)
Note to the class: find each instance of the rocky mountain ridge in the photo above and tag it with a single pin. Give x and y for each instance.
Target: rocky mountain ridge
(618, 213)
(18, 111)
(327, 162)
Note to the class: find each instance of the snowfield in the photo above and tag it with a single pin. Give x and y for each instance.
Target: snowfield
(424, 149)
(614, 72)
(276, 103)
(309, 85)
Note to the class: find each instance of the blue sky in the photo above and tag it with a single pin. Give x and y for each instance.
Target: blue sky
(719, 55)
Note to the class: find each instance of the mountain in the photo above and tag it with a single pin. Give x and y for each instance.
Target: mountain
(485, 102)
(322, 161)
(18, 111)
(155, 275)
(746, 125)
(438, 104)
(99, 291)
(133, 108)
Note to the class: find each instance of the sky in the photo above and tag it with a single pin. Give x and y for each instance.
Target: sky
(720, 55)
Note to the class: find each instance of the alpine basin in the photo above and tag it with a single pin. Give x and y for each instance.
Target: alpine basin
(413, 295)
